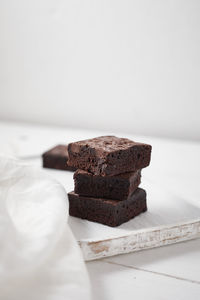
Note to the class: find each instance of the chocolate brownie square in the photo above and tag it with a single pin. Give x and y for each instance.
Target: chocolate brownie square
(57, 158)
(106, 211)
(109, 155)
(117, 187)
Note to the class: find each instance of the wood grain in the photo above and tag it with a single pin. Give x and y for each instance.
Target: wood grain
(140, 240)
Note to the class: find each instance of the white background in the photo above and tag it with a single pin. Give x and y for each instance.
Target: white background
(121, 65)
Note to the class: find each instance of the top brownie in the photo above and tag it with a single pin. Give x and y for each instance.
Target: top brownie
(109, 155)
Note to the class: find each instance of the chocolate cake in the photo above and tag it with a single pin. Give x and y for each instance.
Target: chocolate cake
(109, 155)
(57, 158)
(117, 187)
(107, 211)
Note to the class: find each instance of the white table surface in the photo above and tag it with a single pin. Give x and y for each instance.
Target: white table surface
(170, 272)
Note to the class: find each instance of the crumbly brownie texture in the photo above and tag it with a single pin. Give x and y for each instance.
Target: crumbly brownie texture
(109, 155)
(117, 187)
(107, 212)
(57, 158)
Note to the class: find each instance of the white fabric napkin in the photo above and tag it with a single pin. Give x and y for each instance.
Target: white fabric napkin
(39, 257)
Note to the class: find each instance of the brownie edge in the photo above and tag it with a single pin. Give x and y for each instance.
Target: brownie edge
(105, 211)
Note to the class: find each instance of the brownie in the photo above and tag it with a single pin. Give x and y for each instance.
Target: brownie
(117, 187)
(109, 155)
(57, 158)
(106, 211)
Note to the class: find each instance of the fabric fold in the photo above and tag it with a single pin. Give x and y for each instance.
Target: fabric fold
(39, 257)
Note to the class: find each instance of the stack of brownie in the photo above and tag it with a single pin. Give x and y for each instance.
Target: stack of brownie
(106, 182)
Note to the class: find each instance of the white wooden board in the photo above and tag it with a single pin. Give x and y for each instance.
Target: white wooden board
(169, 219)
(171, 183)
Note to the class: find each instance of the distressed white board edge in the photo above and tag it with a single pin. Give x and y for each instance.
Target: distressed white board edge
(140, 240)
